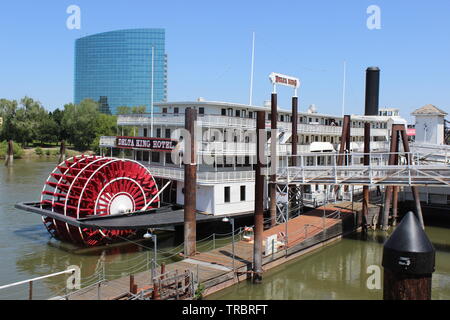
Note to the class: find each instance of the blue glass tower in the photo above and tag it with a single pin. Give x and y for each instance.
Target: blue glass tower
(115, 68)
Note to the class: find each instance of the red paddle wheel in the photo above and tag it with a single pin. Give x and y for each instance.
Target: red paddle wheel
(86, 186)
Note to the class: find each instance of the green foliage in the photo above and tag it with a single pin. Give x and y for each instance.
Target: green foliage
(81, 125)
(38, 151)
(199, 292)
(17, 150)
(48, 152)
(138, 110)
(80, 122)
(123, 110)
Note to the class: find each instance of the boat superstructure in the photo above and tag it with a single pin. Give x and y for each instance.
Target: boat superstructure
(226, 148)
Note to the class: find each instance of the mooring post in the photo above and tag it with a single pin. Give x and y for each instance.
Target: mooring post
(363, 217)
(10, 154)
(62, 151)
(259, 197)
(409, 262)
(273, 160)
(389, 189)
(294, 139)
(30, 290)
(131, 283)
(395, 205)
(190, 184)
(371, 109)
(345, 139)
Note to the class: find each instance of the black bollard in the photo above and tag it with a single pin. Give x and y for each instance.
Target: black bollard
(408, 262)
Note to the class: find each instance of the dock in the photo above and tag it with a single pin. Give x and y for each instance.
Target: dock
(214, 269)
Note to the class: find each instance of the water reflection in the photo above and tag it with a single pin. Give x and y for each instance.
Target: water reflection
(336, 272)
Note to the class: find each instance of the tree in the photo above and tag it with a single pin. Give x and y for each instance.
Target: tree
(138, 110)
(123, 110)
(47, 130)
(80, 123)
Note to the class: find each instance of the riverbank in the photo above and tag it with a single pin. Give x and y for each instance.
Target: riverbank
(47, 153)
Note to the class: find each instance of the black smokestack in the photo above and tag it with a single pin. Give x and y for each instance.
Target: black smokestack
(372, 91)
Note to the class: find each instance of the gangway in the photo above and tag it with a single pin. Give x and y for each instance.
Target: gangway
(323, 168)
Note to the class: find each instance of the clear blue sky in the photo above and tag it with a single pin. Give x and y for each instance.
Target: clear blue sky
(209, 48)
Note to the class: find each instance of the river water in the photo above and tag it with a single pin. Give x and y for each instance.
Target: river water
(338, 271)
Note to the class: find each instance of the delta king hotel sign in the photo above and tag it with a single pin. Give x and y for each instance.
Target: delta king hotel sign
(152, 144)
(281, 79)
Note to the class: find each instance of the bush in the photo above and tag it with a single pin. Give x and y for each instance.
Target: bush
(39, 151)
(48, 152)
(17, 149)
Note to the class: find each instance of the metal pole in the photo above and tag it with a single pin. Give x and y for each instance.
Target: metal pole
(251, 74)
(155, 249)
(190, 186)
(152, 84)
(232, 244)
(259, 198)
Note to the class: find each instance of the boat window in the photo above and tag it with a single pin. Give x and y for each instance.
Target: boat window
(201, 110)
(164, 110)
(227, 194)
(158, 133)
(238, 113)
(224, 112)
(176, 110)
(155, 156)
(169, 158)
(167, 133)
(242, 193)
(145, 132)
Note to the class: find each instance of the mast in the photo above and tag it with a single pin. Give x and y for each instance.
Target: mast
(251, 74)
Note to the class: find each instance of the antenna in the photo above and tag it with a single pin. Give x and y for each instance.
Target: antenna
(151, 101)
(251, 74)
(343, 88)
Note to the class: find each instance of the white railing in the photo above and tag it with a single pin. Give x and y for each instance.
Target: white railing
(219, 121)
(204, 176)
(323, 168)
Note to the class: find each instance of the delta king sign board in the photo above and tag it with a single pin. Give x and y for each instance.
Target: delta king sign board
(278, 78)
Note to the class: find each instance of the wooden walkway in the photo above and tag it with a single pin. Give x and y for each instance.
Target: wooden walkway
(217, 263)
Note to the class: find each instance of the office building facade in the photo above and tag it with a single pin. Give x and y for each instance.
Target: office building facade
(116, 67)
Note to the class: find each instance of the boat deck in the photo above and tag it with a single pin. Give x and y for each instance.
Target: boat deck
(214, 267)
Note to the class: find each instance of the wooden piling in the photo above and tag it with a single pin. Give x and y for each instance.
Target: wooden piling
(10, 154)
(259, 198)
(414, 190)
(294, 138)
(62, 151)
(409, 262)
(273, 160)
(131, 283)
(392, 158)
(363, 217)
(190, 185)
(345, 144)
